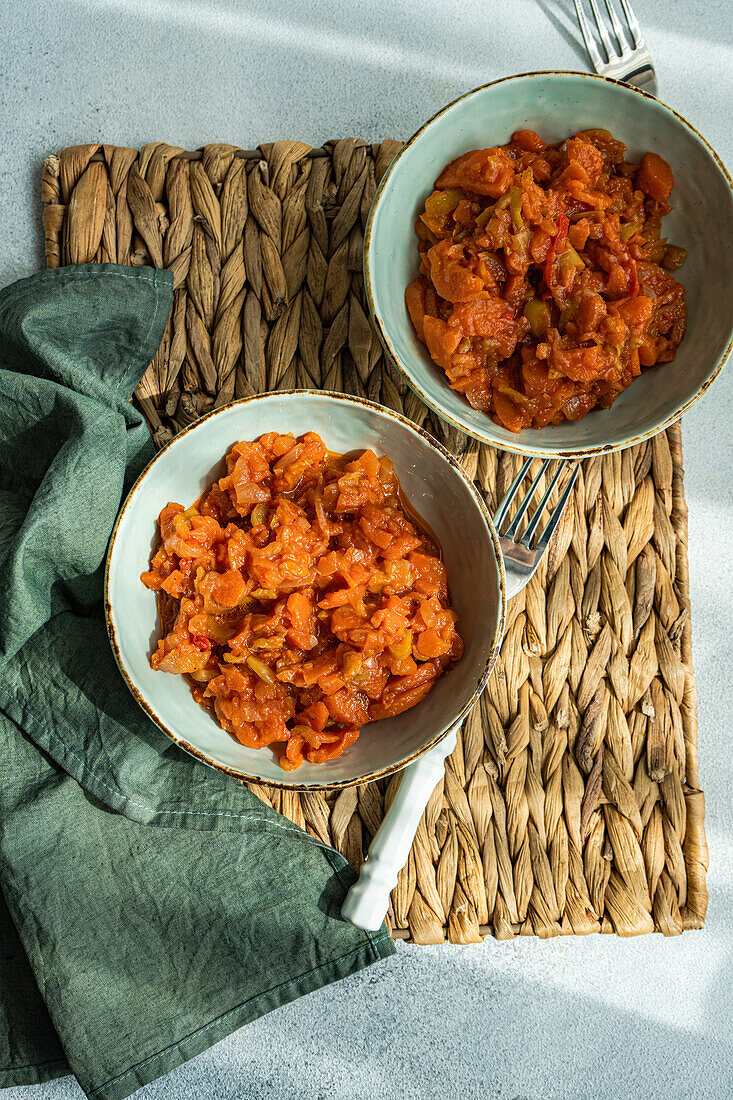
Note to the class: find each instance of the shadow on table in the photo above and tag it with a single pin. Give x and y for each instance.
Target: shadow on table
(561, 13)
(433, 1024)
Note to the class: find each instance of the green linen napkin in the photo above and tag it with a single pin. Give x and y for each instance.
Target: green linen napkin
(151, 905)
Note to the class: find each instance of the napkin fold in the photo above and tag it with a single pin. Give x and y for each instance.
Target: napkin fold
(150, 905)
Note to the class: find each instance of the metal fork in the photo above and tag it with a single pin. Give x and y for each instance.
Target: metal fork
(523, 554)
(630, 63)
(367, 900)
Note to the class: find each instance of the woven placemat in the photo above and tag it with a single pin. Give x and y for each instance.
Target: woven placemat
(571, 803)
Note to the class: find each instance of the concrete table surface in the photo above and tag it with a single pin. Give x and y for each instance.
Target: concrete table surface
(594, 1018)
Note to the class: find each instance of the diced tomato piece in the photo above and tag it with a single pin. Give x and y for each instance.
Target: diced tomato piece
(430, 644)
(529, 140)
(431, 575)
(300, 609)
(580, 151)
(591, 312)
(507, 413)
(636, 312)
(331, 683)
(450, 273)
(442, 341)
(482, 171)
(228, 588)
(581, 364)
(331, 752)
(348, 707)
(293, 755)
(400, 701)
(415, 301)
(619, 283)
(316, 715)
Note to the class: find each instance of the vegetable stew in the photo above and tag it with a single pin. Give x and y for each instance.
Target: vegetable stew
(301, 597)
(545, 285)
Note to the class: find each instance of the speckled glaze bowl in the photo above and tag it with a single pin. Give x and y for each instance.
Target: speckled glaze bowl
(557, 104)
(437, 488)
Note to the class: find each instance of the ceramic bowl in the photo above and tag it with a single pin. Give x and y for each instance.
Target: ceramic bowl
(435, 485)
(557, 104)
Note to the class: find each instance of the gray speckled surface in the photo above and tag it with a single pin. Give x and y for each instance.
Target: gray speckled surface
(586, 1019)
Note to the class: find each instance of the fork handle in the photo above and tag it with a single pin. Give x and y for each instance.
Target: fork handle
(368, 899)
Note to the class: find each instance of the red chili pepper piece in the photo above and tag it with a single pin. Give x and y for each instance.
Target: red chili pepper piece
(557, 245)
(633, 279)
(200, 642)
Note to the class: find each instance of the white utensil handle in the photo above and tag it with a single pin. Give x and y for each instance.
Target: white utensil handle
(367, 901)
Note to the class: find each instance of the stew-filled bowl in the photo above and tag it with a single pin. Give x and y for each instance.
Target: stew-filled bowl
(440, 497)
(556, 105)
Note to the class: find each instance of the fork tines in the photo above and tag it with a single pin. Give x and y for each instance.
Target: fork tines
(554, 518)
(594, 30)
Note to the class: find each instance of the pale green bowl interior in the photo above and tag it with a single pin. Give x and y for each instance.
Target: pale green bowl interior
(557, 105)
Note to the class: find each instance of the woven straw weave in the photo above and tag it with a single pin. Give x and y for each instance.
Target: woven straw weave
(571, 804)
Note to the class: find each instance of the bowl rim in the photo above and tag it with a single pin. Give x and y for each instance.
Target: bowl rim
(235, 773)
(525, 449)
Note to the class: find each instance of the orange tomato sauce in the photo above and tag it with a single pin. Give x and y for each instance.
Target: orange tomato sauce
(545, 286)
(301, 597)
